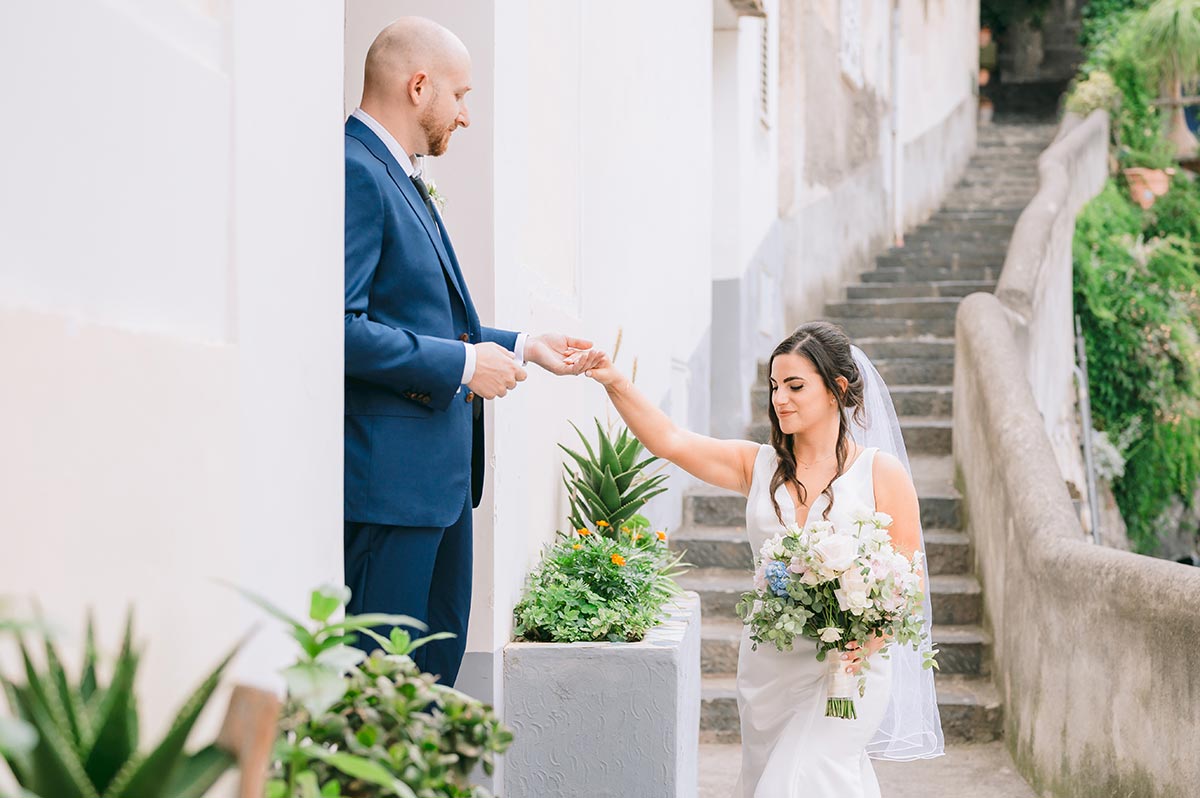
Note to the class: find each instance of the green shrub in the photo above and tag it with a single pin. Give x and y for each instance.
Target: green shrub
(590, 588)
(368, 727)
(1139, 302)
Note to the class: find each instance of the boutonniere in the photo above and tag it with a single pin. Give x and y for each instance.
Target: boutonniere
(438, 198)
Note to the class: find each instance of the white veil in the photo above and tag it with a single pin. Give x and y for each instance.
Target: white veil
(911, 727)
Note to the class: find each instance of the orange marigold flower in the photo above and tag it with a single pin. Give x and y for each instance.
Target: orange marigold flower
(625, 529)
(661, 535)
(577, 546)
(601, 523)
(584, 531)
(618, 559)
(637, 536)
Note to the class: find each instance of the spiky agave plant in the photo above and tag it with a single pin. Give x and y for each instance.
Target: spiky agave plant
(610, 486)
(87, 731)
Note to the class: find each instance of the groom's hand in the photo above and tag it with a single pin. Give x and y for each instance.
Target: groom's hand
(561, 354)
(496, 371)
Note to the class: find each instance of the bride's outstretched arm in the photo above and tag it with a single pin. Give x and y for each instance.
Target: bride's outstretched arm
(725, 463)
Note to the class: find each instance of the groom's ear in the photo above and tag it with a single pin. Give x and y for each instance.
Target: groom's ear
(419, 87)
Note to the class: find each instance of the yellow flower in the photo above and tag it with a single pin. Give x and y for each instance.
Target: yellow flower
(577, 546)
(618, 559)
(584, 531)
(625, 529)
(661, 535)
(637, 536)
(602, 523)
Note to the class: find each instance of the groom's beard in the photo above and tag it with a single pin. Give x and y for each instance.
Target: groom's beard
(437, 137)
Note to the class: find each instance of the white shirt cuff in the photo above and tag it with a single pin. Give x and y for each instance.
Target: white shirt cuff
(468, 364)
(519, 347)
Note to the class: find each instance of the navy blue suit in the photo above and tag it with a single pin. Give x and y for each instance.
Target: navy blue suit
(414, 436)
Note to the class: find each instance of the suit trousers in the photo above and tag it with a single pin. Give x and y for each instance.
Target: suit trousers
(422, 572)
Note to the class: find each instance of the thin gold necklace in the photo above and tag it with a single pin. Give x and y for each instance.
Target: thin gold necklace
(814, 462)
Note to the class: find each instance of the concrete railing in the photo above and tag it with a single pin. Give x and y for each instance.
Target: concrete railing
(1035, 283)
(1094, 648)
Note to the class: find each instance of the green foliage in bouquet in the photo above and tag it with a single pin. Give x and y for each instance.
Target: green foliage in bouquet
(610, 485)
(592, 588)
(1137, 292)
(365, 727)
(81, 734)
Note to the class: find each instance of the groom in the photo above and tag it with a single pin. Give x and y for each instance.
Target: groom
(418, 362)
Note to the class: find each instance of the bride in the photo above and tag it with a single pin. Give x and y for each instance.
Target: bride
(835, 448)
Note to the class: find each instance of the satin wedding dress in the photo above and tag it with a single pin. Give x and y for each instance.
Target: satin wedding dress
(789, 748)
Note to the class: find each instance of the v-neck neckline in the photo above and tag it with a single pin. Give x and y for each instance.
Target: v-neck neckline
(808, 513)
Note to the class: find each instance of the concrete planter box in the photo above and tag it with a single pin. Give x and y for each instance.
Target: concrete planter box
(594, 720)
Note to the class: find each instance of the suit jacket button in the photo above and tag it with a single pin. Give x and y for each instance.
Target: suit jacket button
(464, 337)
(470, 397)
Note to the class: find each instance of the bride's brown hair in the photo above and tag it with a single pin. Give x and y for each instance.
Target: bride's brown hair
(827, 347)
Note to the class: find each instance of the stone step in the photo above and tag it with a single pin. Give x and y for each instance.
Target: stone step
(957, 599)
(881, 348)
(919, 308)
(921, 273)
(897, 290)
(922, 400)
(948, 551)
(927, 434)
(952, 241)
(916, 371)
(904, 258)
(889, 327)
(961, 649)
(969, 706)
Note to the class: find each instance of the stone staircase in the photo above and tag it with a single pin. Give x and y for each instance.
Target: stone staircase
(902, 315)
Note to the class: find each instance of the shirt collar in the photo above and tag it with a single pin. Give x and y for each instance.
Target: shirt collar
(388, 140)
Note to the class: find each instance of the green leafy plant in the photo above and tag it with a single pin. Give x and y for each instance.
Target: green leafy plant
(999, 15)
(591, 588)
(610, 486)
(1137, 292)
(364, 727)
(86, 741)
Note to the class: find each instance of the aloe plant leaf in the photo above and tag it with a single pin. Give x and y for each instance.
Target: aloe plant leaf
(586, 444)
(196, 775)
(594, 503)
(608, 491)
(72, 704)
(44, 694)
(55, 766)
(608, 455)
(116, 735)
(367, 620)
(19, 761)
(588, 469)
(144, 776)
(87, 678)
(628, 510)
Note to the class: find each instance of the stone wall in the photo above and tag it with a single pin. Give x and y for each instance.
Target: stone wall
(1092, 646)
(1036, 282)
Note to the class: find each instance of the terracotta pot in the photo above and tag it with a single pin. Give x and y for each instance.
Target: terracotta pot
(1147, 185)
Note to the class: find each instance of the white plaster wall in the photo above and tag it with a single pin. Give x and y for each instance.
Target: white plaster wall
(170, 339)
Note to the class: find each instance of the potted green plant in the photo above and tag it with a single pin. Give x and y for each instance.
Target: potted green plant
(1169, 33)
(603, 633)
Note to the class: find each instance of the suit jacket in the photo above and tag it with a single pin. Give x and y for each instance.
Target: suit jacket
(414, 440)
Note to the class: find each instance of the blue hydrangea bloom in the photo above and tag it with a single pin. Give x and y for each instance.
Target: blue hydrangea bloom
(777, 577)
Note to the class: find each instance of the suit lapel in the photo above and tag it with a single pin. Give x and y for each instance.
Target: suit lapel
(358, 130)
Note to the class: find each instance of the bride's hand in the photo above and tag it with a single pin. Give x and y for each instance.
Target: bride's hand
(601, 369)
(853, 658)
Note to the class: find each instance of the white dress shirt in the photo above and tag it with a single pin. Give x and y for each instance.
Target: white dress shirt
(406, 164)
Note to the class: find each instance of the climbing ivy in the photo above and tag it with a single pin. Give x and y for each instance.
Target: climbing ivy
(1137, 292)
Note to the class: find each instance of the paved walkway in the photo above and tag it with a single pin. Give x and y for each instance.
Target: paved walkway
(981, 770)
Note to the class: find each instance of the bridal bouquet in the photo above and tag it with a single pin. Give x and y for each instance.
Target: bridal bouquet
(836, 586)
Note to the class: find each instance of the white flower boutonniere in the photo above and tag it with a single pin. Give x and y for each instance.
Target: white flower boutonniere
(438, 198)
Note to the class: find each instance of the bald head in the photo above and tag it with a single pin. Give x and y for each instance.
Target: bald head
(416, 82)
(409, 46)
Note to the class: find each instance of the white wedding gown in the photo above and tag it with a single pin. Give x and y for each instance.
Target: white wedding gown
(789, 748)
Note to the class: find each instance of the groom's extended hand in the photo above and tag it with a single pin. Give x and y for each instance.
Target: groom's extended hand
(561, 354)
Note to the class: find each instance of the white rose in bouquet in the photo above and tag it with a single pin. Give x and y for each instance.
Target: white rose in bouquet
(835, 554)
